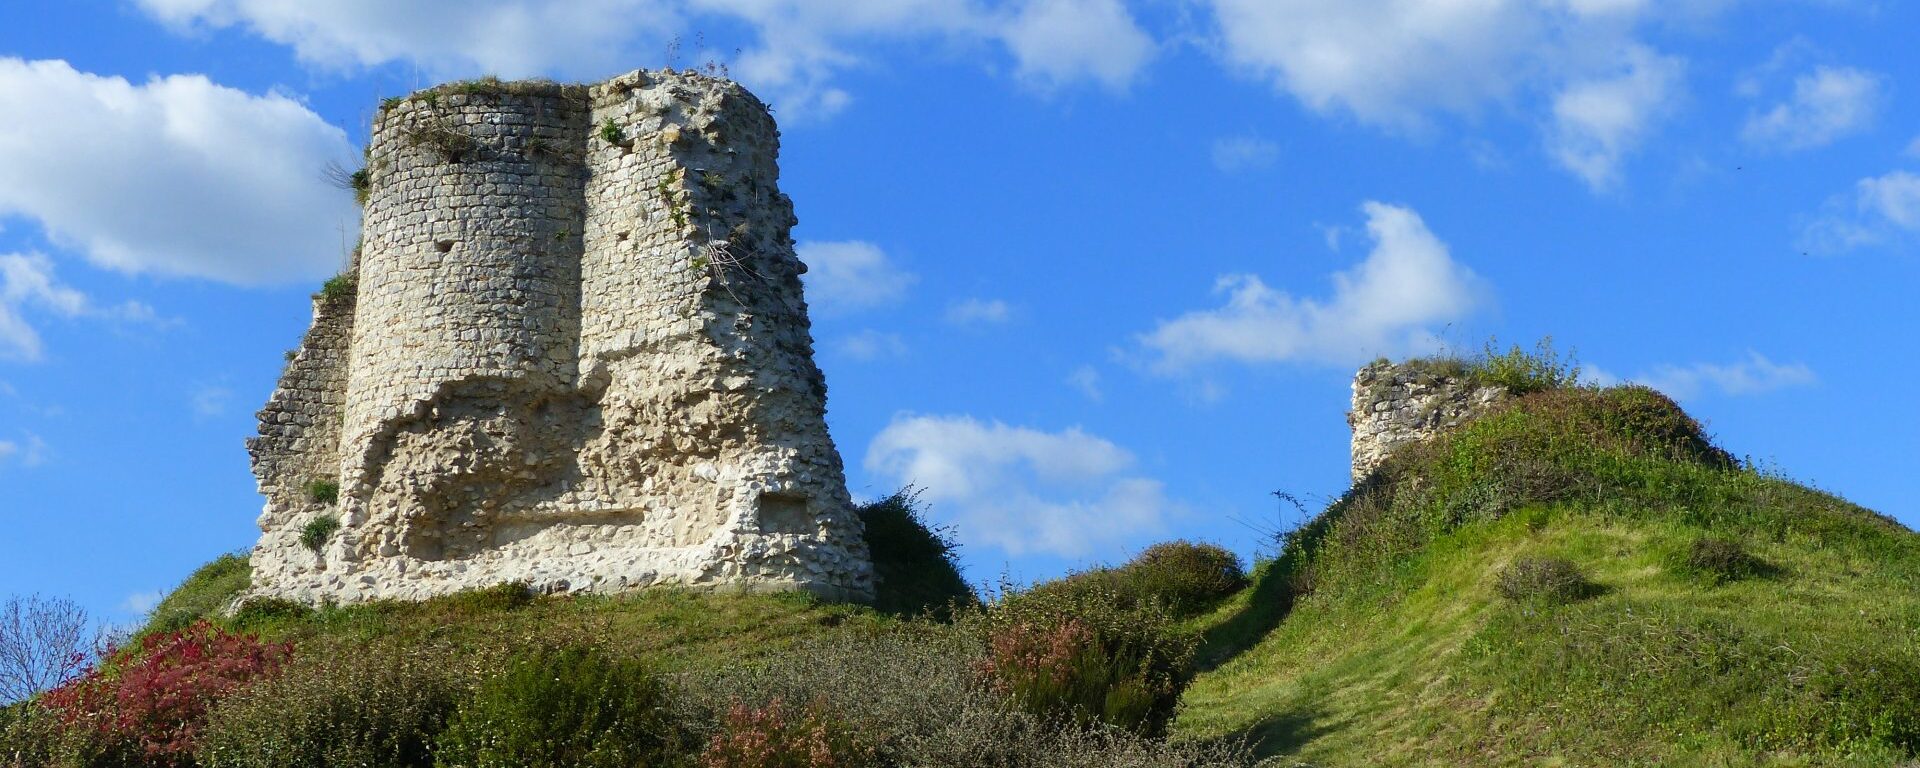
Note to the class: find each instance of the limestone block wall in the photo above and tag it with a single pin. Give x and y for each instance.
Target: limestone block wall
(299, 440)
(580, 358)
(1396, 404)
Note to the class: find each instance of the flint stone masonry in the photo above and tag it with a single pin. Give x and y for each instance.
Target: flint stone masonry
(577, 356)
(1397, 404)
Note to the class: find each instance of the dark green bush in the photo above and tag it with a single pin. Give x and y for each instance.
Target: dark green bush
(381, 707)
(915, 564)
(568, 708)
(1079, 656)
(1182, 577)
(1719, 560)
(1548, 580)
(317, 531)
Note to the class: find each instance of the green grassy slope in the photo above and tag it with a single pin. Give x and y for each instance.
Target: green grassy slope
(1379, 638)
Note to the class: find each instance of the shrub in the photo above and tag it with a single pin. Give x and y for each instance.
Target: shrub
(317, 531)
(1548, 580)
(1081, 657)
(777, 736)
(148, 704)
(571, 708)
(323, 491)
(378, 708)
(1722, 560)
(913, 692)
(612, 133)
(339, 287)
(915, 564)
(259, 610)
(1184, 578)
(1521, 371)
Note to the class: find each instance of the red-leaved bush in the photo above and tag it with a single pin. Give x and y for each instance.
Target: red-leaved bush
(150, 702)
(774, 736)
(1080, 656)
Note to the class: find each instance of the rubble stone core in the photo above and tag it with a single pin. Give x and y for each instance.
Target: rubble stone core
(1396, 404)
(577, 355)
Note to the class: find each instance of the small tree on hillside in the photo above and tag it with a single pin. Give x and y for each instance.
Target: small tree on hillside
(44, 641)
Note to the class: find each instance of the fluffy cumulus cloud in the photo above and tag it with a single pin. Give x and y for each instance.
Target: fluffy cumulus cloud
(851, 275)
(174, 176)
(1058, 42)
(28, 284)
(1754, 375)
(1881, 210)
(1597, 122)
(1022, 490)
(1827, 104)
(448, 38)
(801, 46)
(1399, 63)
(1386, 305)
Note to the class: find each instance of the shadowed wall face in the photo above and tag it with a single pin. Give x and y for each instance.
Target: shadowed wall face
(577, 356)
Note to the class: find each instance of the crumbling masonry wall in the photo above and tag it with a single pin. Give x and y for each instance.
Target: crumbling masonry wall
(1396, 404)
(578, 357)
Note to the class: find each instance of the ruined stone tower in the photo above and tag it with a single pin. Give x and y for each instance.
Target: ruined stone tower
(571, 351)
(1397, 404)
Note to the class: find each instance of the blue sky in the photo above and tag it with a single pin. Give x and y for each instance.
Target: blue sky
(1094, 273)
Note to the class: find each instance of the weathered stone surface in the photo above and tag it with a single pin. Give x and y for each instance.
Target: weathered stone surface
(578, 356)
(1398, 404)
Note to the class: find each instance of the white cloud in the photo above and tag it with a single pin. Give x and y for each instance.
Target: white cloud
(175, 176)
(851, 275)
(1827, 104)
(1383, 306)
(870, 345)
(27, 281)
(802, 45)
(1057, 42)
(1244, 153)
(1397, 64)
(1023, 490)
(1913, 149)
(1598, 122)
(1087, 380)
(979, 312)
(209, 402)
(1754, 375)
(1882, 210)
(141, 603)
(29, 452)
(448, 38)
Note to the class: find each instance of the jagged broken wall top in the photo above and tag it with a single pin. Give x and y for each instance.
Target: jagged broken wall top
(1396, 404)
(577, 355)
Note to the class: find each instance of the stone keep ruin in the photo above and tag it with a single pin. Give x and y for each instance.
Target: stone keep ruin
(571, 351)
(1397, 404)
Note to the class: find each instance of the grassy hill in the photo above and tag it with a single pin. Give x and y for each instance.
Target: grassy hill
(1578, 578)
(1712, 614)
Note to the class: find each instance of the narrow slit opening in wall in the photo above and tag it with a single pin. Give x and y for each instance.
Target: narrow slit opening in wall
(444, 246)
